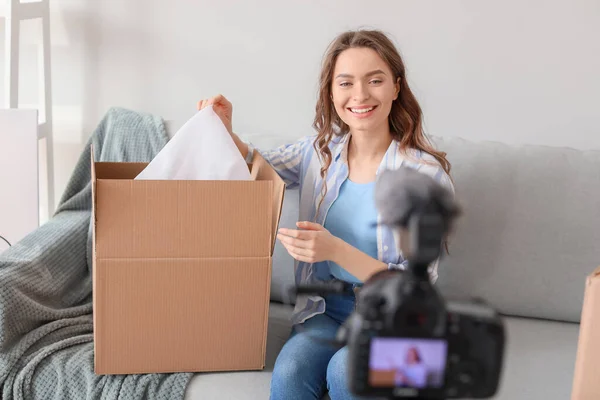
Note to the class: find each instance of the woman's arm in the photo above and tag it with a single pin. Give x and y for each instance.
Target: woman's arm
(313, 243)
(286, 160)
(359, 264)
(241, 145)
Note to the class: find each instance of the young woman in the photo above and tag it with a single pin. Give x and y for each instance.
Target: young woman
(412, 373)
(367, 119)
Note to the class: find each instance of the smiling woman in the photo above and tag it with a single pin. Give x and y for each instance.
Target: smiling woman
(377, 88)
(367, 120)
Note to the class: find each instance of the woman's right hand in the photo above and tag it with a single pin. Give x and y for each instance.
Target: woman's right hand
(222, 108)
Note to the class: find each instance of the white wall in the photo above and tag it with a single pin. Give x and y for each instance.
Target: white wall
(513, 71)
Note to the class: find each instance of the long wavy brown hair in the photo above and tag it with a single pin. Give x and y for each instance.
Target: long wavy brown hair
(405, 117)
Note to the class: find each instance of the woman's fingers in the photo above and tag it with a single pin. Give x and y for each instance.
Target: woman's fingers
(298, 254)
(300, 234)
(222, 107)
(218, 100)
(299, 243)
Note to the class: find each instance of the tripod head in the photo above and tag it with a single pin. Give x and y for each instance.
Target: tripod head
(420, 212)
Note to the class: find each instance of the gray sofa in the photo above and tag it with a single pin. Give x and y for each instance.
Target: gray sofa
(529, 236)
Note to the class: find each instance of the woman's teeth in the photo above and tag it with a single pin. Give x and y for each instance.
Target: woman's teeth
(361, 110)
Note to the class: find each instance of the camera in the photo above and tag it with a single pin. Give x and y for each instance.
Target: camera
(405, 340)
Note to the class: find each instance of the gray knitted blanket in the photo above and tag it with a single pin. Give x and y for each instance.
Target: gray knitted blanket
(46, 342)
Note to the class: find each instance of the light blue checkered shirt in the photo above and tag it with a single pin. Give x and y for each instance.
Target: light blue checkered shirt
(299, 166)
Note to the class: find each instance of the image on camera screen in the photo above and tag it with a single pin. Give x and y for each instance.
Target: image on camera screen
(406, 362)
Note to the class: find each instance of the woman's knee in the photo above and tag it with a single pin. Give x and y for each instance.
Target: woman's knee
(337, 370)
(338, 383)
(296, 374)
(295, 378)
(288, 370)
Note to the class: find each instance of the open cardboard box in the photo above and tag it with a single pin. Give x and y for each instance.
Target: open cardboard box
(586, 385)
(182, 270)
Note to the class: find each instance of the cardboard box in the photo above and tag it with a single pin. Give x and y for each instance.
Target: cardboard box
(586, 385)
(182, 270)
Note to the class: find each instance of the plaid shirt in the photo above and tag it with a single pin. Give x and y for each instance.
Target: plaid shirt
(299, 167)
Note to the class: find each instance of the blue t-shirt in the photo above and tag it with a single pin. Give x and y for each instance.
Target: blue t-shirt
(352, 217)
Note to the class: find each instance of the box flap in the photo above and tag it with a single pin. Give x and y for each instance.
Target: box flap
(119, 170)
(262, 171)
(587, 361)
(93, 182)
(94, 264)
(92, 161)
(92, 172)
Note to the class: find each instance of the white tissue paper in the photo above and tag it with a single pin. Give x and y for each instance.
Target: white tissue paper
(202, 149)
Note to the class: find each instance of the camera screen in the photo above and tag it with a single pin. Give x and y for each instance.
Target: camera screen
(406, 362)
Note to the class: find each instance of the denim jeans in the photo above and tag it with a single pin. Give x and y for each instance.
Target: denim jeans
(305, 368)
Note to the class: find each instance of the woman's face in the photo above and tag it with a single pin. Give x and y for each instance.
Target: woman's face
(411, 356)
(363, 89)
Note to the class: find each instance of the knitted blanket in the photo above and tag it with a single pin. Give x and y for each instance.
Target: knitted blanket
(46, 331)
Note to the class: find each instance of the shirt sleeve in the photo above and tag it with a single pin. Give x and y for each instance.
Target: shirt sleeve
(402, 266)
(286, 160)
(438, 173)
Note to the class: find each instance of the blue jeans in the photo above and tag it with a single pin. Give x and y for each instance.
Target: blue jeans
(305, 368)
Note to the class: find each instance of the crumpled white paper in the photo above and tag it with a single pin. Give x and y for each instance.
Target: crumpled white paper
(202, 149)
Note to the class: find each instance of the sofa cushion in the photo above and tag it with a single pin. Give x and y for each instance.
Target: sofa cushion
(246, 384)
(282, 276)
(530, 232)
(539, 362)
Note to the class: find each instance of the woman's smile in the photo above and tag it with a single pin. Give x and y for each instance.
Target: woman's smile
(362, 111)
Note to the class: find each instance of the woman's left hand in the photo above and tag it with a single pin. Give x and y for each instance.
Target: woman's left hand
(312, 243)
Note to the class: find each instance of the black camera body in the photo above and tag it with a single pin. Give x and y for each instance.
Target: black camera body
(405, 341)
(463, 341)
